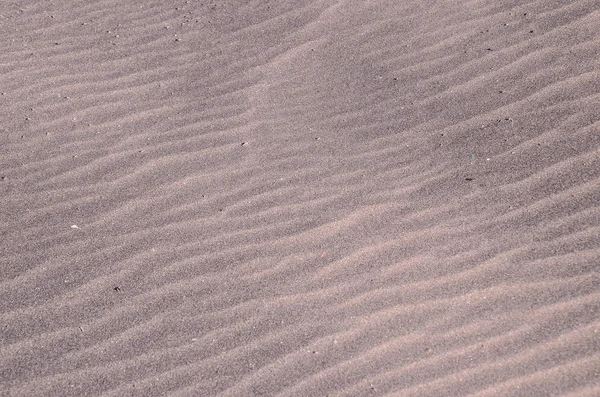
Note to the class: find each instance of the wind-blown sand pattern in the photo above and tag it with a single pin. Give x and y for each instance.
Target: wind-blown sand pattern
(300, 198)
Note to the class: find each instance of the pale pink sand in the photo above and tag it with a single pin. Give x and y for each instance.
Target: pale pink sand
(314, 198)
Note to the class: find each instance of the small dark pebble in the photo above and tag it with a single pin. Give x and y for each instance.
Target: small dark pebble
(469, 179)
(117, 289)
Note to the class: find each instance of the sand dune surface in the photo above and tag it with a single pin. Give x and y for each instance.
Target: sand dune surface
(300, 198)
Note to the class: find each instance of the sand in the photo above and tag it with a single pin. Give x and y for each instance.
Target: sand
(300, 198)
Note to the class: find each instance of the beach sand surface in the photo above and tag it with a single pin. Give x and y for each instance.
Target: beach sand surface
(300, 198)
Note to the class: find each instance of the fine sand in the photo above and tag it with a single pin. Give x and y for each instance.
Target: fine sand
(300, 198)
